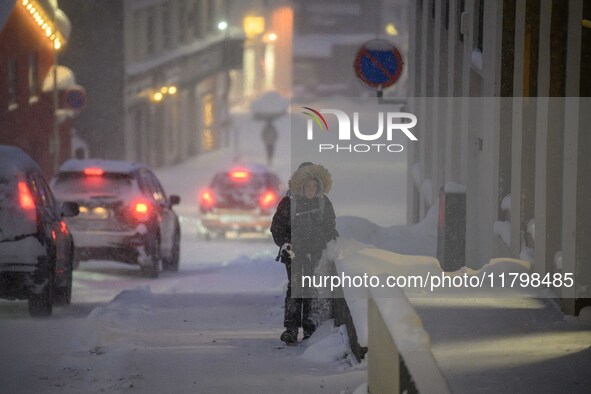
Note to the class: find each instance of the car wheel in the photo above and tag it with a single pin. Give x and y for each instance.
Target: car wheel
(63, 295)
(172, 263)
(41, 304)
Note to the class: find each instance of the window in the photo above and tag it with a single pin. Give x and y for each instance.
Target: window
(197, 18)
(461, 8)
(150, 36)
(44, 193)
(159, 194)
(77, 183)
(33, 77)
(151, 187)
(12, 103)
(182, 20)
(166, 38)
(211, 17)
(138, 37)
(480, 31)
(446, 14)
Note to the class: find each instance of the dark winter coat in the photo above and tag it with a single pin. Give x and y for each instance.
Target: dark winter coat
(307, 224)
(269, 134)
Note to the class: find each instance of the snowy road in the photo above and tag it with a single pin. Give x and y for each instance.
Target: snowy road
(212, 327)
(209, 328)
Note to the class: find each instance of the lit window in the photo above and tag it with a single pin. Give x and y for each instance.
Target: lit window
(208, 120)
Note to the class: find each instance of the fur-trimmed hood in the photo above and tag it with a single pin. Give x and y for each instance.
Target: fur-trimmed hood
(312, 171)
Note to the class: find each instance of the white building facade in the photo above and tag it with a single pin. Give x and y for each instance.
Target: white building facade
(501, 89)
(176, 66)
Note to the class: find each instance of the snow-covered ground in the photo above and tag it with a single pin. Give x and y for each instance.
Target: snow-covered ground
(213, 327)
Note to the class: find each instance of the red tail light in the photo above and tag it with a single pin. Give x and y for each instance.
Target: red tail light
(93, 171)
(26, 200)
(141, 210)
(207, 199)
(268, 199)
(239, 175)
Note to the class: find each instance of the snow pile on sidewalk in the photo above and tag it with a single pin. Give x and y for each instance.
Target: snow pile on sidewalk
(330, 344)
(415, 239)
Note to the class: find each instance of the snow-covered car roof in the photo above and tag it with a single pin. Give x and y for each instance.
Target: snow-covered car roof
(14, 159)
(115, 166)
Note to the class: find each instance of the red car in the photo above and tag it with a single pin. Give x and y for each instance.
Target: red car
(241, 199)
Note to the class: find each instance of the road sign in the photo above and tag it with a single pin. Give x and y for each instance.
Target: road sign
(75, 99)
(378, 64)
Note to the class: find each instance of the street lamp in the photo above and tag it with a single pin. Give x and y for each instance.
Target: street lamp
(223, 26)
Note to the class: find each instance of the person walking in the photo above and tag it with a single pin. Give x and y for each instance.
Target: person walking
(269, 137)
(302, 226)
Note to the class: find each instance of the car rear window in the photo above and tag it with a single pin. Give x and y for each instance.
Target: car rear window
(224, 181)
(7, 194)
(13, 222)
(81, 184)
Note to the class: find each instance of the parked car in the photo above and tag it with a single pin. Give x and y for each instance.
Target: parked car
(36, 247)
(125, 214)
(240, 199)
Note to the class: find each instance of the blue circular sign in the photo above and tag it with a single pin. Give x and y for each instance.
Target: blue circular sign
(378, 64)
(75, 99)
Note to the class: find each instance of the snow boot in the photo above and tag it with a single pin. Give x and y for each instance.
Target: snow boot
(290, 336)
(308, 332)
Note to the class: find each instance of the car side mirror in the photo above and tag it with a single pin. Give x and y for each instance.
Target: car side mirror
(70, 209)
(174, 200)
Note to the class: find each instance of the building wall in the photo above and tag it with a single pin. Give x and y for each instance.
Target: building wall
(28, 122)
(327, 33)
(96, 56)
(157, 77)
(509, 136)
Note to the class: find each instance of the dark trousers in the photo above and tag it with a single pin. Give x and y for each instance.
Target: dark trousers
(298, 310)
(270, 148)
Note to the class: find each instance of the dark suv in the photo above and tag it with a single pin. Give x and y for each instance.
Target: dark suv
(125, 215)
(36, 248)
(240, 199)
